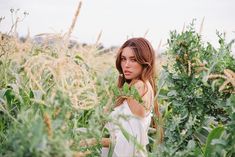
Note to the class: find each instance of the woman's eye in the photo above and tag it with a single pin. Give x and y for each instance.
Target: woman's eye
(133, 60)
(123, 59)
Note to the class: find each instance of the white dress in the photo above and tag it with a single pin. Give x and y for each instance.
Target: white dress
(134, 126)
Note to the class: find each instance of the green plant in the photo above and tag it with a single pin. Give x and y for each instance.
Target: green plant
(192, 103)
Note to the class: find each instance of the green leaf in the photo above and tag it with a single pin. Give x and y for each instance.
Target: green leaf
(218, 141)
(115, 91)
(214, 134)
(79, 57)
(125, 88)
(172, 93)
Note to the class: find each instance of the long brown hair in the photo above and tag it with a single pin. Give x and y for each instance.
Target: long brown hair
(145, 56)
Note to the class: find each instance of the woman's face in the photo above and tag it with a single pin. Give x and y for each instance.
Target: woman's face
(130, 67)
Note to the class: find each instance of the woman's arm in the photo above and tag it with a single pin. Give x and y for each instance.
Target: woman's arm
(105, 142)
(135, 107)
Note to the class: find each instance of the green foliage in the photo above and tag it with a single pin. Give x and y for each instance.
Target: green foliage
(192, 104)
(126, 92)
(214, 134)
(43, 119)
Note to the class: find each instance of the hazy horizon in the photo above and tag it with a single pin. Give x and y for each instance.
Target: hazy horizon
(121, 19)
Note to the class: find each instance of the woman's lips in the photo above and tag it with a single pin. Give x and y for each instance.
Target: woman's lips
(127, 72)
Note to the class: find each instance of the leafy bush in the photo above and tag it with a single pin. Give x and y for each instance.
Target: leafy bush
(194, 106)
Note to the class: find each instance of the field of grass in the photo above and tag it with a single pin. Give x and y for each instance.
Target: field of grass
(55, 98)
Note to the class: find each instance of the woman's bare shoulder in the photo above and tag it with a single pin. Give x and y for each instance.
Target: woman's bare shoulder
(141, 87)
(146, 92)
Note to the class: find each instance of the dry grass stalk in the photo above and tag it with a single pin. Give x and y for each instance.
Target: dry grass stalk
(229, 77)
(74, 20)
(199, 66)
(159, 46)
(201, 27)
(224, 85)
(189, 68)
(229, 91)
(98, 38)
(183, 28)
(57, 111)
(67, 76)
(199, 69)
(47, 121)
(50, 65)
(146, 33)
(214, 76)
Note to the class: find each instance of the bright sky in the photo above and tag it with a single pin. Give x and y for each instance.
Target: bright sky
(121, 18)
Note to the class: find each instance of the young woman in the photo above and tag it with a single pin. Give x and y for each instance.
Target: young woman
(135, 63)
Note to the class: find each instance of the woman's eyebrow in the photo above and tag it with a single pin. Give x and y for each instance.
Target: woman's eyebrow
(128, 56)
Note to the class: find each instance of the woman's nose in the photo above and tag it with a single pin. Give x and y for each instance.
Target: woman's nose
(127, 63)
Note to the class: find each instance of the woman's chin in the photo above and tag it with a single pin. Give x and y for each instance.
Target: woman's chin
(127, 77)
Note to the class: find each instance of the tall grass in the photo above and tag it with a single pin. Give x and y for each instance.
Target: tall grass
(51, 96)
